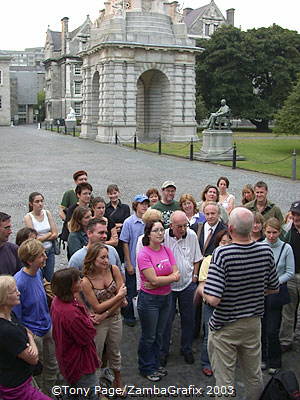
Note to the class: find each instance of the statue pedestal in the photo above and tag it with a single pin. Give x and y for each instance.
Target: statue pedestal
(70, 124)
(217, 145)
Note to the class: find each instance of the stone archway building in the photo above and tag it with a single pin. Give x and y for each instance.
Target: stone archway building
(138, 74)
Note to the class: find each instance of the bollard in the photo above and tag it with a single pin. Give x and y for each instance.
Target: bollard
(134, 142)
(294, 165)
(159, 145)
(191, 150)
(116, 138)
(57, 128)
(66, 131)
(73, 131)
(234, 156)
(51, 127)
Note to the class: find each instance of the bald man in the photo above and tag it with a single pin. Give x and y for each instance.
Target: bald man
(184, 244)
(239, 276)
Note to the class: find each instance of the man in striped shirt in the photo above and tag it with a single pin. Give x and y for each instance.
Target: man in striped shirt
(239, 277)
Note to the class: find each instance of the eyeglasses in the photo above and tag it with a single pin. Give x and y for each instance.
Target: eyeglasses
(158, 230)
(181, 226)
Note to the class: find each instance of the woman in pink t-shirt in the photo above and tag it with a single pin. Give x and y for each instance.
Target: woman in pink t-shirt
(158, 270)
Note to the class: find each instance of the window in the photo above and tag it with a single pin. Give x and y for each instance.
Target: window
(77, 109)
(77, 70)
(206, 29)
(77, 87)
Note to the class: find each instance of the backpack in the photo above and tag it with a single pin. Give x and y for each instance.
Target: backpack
(282, 386)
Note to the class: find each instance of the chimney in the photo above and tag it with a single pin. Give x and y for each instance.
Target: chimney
(186, 11)
(64, 34)
(230, 16)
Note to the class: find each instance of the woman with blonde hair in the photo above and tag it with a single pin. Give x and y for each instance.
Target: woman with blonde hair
(19, 354)
(247, 194)
(188, 205)
(77, 227)
(285, 267)
(257, 233)
(104, 290)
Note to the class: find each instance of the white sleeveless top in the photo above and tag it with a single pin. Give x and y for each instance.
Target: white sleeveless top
(225, 203)
(42, 227)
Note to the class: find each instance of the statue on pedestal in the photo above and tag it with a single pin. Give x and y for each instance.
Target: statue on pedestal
(71, 116)
(221, 116)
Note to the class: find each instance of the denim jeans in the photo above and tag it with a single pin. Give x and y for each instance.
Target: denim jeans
(207, 313)
(48, 269)
(127, 311)
(153, 311)
(271, 350)
(185, 299)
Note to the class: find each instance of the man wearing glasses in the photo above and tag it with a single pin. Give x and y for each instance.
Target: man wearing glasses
(9, 260)
(184, 244)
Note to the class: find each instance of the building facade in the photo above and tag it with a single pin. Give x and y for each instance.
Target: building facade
(63, 81)
(202, 22)
(4, 89)
(27, 76)
(138, 74)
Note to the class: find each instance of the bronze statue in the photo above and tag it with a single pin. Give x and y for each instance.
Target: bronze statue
(216, 118)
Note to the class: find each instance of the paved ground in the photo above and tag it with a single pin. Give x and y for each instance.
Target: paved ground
(38, 160)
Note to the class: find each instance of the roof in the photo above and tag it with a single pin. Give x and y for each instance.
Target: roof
(193, 15)
(56, 39)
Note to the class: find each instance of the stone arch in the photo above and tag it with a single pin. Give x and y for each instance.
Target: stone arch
(95, 102)
(153, 105)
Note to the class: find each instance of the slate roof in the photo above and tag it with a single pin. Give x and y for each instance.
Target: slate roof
(192, 15)
(56, 39)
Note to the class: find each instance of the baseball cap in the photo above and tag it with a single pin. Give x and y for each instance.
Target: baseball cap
(167, 184)
(295, 207)
(139, 198)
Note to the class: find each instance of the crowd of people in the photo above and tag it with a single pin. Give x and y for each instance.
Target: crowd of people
(230, 268)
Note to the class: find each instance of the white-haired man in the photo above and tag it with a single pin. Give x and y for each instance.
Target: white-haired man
(239, 277)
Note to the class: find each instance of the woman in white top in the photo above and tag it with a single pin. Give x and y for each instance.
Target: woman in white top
(225, 199)
(42, 221)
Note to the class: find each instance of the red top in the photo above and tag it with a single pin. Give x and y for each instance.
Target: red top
(73, 333)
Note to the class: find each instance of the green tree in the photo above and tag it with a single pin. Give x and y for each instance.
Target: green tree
(288, 118)
(254, 70)
(201, 110)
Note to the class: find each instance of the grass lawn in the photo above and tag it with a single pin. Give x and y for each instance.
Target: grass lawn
(262, 155)
(269, 156)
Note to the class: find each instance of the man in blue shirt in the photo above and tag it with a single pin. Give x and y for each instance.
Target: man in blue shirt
(132, 228)
(33, 309)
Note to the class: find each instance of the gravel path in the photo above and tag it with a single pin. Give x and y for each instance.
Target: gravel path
(38, 160)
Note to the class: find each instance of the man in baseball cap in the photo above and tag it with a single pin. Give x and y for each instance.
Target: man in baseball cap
(289, 330)
(167, 205)
(133, 227)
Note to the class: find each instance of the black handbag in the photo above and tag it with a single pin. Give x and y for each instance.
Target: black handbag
(56, 246)
(277, 300)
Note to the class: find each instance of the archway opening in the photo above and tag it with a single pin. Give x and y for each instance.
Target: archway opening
(153, 105)
(95, 102)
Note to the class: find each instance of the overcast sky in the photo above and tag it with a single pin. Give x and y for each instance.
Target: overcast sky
(24, 23)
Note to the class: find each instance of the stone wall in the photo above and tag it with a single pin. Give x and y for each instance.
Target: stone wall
(5, 116)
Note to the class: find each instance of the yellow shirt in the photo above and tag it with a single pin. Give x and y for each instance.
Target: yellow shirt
(204, 268)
